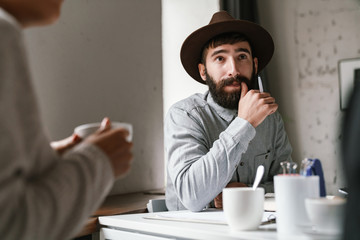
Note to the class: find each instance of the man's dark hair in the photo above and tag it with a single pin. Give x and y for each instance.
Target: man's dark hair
(225, 38)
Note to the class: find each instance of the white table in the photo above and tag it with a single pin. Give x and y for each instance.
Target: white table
(135, 226)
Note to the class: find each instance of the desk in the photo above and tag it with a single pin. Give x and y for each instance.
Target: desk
(136, 227)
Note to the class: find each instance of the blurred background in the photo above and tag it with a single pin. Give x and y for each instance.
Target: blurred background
(120, 58)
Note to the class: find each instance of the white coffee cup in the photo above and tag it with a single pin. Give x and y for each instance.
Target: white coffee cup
(86, 129)
(326, 214)
(243, 207)
(290, 194)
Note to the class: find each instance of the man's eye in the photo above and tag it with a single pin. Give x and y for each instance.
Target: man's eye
(242, 56)
(219, 59)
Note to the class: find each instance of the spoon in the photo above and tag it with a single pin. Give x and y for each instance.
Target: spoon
(258, 177)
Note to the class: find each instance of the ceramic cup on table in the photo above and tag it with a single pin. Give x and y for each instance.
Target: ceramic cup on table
(326, 214)
(86, 129)
(243, 207)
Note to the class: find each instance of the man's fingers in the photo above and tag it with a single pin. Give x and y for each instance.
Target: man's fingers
(273, 107)
(268, 100)
(264, 94)
(244, 89)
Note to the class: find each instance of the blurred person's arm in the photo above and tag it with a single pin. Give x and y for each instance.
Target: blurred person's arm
(43, 195)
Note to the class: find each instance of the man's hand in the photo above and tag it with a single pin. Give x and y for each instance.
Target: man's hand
(255, 106)
(63, 145)
(114, 144)
(218, 199)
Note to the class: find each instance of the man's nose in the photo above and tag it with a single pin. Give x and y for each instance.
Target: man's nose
(232, 68)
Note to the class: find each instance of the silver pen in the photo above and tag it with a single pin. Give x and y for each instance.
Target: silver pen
(261, 88)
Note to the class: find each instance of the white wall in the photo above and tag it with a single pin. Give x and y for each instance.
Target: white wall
(103, 58)
(179, 19)
(311, 36)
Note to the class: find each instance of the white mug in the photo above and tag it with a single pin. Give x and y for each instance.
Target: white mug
(243, 207)
(290, 194)
(326, 214)
(86, 129)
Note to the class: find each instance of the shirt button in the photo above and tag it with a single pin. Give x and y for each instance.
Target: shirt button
(18, 172)
(242, 164)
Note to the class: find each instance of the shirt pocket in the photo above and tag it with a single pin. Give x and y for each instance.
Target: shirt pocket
(265, 159)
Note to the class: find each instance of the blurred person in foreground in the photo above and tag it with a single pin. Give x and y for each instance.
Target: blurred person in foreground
(46, 192)
(218, 139)
(351, 162)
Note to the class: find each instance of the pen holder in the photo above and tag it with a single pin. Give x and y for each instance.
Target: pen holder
(313, 167)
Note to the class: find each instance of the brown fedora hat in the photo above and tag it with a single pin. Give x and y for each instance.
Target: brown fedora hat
(221, 22)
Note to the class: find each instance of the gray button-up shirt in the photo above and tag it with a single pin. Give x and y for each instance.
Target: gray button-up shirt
(208, 146)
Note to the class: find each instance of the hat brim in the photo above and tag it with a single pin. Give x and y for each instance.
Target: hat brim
(260, 40)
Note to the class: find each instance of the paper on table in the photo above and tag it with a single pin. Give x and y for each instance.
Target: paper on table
(270, 204)
(213, 216)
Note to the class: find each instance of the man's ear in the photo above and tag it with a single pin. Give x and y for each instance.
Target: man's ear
(202, 71)
(256, 65)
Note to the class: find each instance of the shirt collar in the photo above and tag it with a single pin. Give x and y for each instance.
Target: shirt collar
(225, 113)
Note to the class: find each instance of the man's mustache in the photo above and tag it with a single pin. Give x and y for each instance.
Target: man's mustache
(237, 79)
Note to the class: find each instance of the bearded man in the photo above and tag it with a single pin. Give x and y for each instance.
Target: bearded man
(218, 139)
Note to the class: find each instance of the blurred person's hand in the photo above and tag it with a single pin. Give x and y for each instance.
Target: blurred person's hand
(218, 199)
(65, 144)
(114, 144)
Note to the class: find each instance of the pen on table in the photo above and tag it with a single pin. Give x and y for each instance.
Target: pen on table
(261, 88)
(271, 219)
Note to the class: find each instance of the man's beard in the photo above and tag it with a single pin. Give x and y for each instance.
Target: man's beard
(228, 100)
